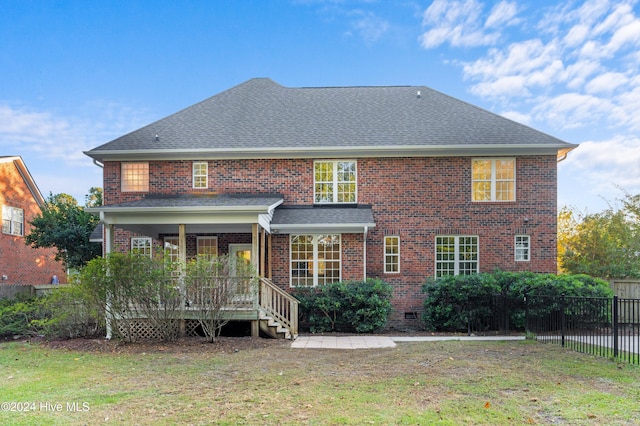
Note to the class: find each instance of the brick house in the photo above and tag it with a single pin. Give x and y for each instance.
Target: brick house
(318, 185)
(21, 201)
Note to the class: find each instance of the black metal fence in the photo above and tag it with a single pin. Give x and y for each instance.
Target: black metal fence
(608, 327)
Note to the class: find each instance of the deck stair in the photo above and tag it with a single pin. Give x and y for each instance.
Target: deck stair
(278, 311)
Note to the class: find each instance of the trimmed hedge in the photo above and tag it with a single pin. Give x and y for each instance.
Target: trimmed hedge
(361, 307)
(450, 298)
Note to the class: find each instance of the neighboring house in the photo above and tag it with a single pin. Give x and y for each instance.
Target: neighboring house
(318, 185)
(21, 201)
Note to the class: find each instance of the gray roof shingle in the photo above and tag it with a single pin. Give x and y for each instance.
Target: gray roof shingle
(260, 115)
(321, 218)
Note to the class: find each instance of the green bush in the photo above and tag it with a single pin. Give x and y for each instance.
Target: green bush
(452, 299)
(21, 316)
(70, 315)
(361, 307)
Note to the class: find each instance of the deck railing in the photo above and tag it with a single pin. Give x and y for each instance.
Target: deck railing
(280, 305)
(228, 292)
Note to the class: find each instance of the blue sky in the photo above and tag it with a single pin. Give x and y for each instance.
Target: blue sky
(76, 74)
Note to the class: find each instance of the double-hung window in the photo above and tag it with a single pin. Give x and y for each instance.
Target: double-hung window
(335, 182)
(523, 248)
(391, 254)
(172, 249)
(12, 220)
(135, 177)
(315, 260)
(493, 179)
(200, 174)
(457, 255)
(207, 247)
(141, 246)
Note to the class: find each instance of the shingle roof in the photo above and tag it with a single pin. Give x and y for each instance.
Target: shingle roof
(321, 218)
(260, 116)
(217, 201)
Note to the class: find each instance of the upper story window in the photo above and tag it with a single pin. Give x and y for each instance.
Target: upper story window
(135, 177)
(12, 221)
(493, 179)
(335, 182)
(523, 248)
(141, 246)
(200, 174)
(391, 254)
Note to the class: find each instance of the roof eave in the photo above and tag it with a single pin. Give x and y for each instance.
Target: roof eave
(321, 227)
(334, 151)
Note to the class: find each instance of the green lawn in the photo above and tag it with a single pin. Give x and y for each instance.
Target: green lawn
(269, 383)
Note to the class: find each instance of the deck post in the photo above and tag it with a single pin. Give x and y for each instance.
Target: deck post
(255, 328)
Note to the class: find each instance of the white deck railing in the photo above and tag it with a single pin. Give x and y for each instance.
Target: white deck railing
(280, 305)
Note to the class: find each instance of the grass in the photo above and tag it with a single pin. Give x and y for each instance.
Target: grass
(416, 383)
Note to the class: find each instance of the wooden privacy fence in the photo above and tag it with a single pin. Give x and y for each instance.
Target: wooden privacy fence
(627, 290)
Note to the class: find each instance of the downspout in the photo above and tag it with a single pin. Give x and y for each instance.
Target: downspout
(364, 253)
(97, 163)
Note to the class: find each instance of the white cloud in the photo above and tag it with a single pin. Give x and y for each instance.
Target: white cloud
(503, 13)
(459, 23)
(368, 26)
(606, 83)
(580, 68)
(63, 138)
(571, 110)
(605, 164)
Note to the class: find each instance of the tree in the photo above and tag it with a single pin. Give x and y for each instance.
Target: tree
(65, 225)
(605, 244)
(94, 197)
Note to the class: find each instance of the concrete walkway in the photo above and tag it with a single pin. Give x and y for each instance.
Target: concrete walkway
(373, 342)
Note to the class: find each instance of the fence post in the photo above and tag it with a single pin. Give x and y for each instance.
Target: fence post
(615, 326)
(562, 322)
(526, 315)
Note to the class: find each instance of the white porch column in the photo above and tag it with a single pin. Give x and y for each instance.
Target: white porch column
(364, 253)
(255, 258)
(182, 244)
(109, 238)
(109, 242)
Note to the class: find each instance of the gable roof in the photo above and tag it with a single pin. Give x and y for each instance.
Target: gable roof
(262, 119)
(21, 167)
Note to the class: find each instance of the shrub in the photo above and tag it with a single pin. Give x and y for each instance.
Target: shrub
(70, 315)
(20, 316)
(361, 307)
(452, 300)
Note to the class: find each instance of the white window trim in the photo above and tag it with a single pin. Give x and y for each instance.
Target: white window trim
(206, 174)
(394, 255)
(314, 260)
(528, 248)
(9, 213)
(131, 187)
(457, 261)
(335, 181)
(148, 243)
(494, 180)
(172, 247)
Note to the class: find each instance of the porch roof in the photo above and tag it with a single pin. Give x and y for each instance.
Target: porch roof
(318, 219)
(161, 214)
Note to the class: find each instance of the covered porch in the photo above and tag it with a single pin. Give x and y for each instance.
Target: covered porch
(184, 226)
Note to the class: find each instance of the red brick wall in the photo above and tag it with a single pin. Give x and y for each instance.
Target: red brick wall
(23, 264)
(415, 198)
